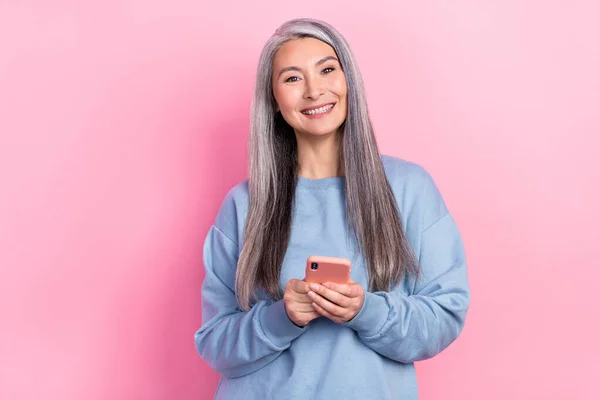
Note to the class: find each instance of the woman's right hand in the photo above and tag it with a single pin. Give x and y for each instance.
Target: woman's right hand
(298, 305)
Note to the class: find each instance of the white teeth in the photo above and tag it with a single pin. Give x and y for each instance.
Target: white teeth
(320, 110)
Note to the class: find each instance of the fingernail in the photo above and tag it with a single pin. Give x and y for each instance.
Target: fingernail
(311, 295)
(314, 286)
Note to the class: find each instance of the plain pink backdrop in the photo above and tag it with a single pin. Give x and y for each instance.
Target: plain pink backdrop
(124, 123)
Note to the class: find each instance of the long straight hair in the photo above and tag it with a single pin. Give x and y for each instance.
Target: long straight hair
(371, 210)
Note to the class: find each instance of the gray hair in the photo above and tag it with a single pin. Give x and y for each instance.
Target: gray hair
(371, 209)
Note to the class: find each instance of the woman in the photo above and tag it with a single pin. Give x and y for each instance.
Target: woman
(318, 186)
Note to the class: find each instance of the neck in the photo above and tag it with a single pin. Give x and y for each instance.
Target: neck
(319, 157)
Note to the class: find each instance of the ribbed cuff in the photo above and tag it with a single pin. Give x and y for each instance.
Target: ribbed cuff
(277, 326)
(372, 316)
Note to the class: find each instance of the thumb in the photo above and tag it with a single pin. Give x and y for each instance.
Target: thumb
(355, 289)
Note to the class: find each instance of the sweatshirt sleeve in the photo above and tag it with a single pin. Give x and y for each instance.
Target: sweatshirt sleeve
(409, 328)
(234, 342)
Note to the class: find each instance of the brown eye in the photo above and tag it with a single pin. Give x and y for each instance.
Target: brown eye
(295, 79)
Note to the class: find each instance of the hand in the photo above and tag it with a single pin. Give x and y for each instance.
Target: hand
(297, 303)
(339, 303)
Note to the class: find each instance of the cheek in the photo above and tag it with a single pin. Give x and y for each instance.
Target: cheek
(285, 97)
(343, 96)
(341, 89)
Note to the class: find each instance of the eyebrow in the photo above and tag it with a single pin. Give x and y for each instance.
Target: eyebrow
(321, 61)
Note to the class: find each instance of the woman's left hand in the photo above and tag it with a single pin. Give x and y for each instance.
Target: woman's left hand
(340, 303)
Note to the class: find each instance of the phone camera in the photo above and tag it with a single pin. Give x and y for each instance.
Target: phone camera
(314, 266)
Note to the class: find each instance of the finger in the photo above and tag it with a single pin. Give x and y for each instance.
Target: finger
(331, 295)
(304, 299)
(325, 313)
(305, 305)
(299, 286)
(299, 297)
(337, 287)
(350, 290)
(303, 319)
(304, 309)
(327, 305)
(308, 310)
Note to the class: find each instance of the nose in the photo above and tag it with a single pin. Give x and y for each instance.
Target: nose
(313, 88)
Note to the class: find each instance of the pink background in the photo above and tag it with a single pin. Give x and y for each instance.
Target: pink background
(123, 124)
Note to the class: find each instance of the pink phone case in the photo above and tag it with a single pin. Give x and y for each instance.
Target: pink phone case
(328, 269)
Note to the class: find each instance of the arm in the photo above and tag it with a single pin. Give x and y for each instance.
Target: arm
(419, 326)
(234, 342)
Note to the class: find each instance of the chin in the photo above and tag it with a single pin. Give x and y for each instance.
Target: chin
(324, 132)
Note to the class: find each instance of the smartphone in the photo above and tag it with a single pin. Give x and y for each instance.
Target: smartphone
(321, 269)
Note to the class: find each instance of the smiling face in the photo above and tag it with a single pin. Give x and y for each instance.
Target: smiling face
(309, 87)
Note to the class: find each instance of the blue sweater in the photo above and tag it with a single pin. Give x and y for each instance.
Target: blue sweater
(261, 354)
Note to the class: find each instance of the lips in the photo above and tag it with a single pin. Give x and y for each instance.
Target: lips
(316, 107)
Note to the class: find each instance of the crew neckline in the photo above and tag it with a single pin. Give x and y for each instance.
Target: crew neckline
(322, 183)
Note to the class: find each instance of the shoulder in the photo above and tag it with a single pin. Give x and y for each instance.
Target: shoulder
(403, 172)
(414, 188)
(239, 194)
(233, 210)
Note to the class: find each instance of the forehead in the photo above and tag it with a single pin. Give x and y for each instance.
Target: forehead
(303, 52)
